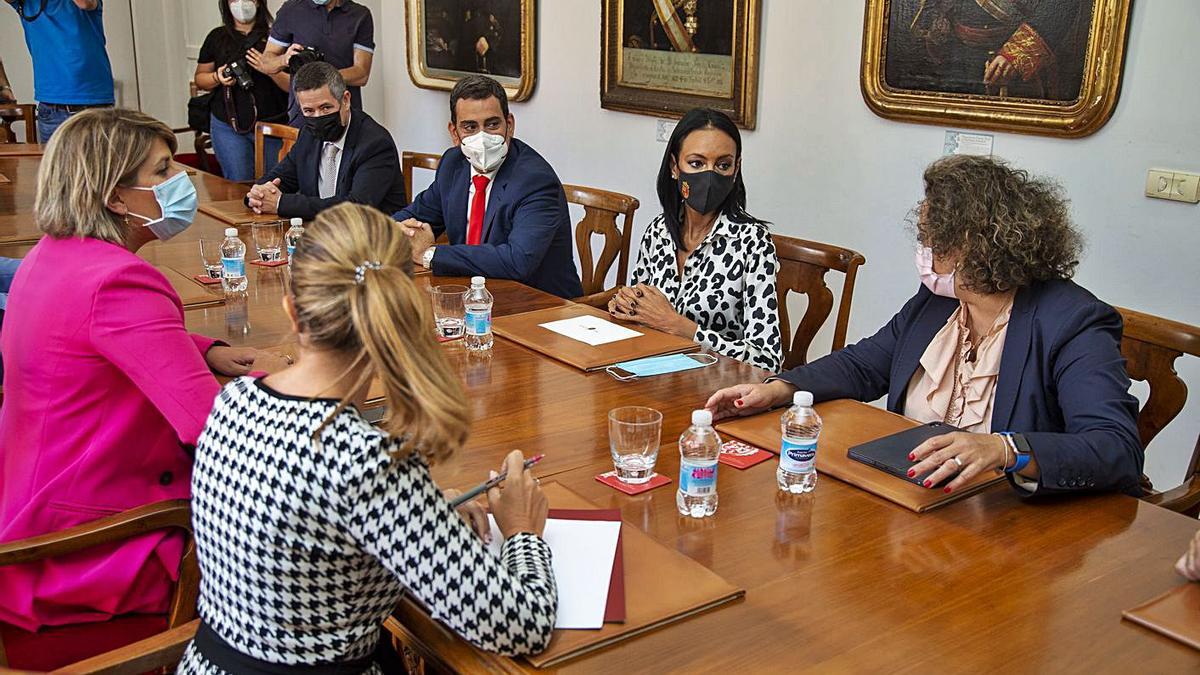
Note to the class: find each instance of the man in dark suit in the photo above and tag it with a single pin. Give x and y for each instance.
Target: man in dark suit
(340, 155)
(500, 204)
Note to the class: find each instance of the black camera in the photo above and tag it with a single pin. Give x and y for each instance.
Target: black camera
(303, 58)
(239, 70)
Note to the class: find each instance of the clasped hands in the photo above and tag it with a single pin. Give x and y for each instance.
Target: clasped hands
(265, 198)
(648, 306)
(422, 237)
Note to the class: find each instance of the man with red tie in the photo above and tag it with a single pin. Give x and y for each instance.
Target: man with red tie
(499, 202)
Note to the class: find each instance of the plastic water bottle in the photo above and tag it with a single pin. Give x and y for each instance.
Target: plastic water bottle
(292, 238)
(699, 448)
(233, 262)
(801, 425)
(478, 324)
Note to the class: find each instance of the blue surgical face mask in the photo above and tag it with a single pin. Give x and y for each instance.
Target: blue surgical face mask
(660, 365)
(176, 198)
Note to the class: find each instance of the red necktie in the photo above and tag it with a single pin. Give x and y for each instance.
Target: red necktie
(478, 207)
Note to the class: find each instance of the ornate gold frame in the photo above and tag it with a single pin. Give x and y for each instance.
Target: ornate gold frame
(518, 89)
(741, 106)
(1081, 117)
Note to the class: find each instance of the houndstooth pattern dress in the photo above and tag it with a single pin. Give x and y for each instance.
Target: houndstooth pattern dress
(305, 549)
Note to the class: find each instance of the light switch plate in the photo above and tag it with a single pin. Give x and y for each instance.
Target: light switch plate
(1174, 185)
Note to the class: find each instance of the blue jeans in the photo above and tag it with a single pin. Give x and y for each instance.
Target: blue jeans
(235, 152)
(48, 120)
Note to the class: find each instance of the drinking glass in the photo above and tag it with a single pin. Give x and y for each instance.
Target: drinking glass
(633, 437)
(268, 240)
(448, 310)
(210, 255)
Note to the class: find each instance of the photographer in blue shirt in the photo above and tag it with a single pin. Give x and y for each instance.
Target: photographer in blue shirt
(71, 71)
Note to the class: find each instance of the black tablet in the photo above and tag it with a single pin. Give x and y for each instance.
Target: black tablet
(890, 453)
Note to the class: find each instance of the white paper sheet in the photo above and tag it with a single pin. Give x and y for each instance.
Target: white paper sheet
(591, 330)
(583, 560)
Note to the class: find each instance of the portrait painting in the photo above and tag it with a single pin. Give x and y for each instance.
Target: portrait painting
(1036, 66)
(449, 39)
(664, 57)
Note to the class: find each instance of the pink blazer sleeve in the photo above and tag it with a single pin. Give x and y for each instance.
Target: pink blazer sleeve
(137, 324)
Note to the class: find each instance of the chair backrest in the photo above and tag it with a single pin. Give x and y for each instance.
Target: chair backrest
(601, 209)
(264, 130)
(14, 112)
(1151, 345)
(416, 160)
(802, 268)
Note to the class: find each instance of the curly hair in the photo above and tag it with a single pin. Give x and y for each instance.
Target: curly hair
(1009, 229)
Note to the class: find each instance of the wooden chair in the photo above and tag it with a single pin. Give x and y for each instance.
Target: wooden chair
(601, 209)
(18, 112)
(410, 160)
(162, 649)
(262, 131)
(802, 268)
(1151, 345)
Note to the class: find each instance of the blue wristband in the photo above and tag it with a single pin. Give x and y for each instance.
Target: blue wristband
(1022, 457)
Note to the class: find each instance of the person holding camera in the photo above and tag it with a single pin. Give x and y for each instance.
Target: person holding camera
(71, 70)
(243, 92)
(338, 32)
(340, 156)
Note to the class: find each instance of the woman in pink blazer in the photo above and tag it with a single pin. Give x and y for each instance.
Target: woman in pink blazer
(105, 392)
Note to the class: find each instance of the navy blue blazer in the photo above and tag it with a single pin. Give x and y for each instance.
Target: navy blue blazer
(526, 228)
(1062, 382)
(369, 173)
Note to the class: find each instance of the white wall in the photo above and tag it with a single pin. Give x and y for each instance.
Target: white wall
(822, 166)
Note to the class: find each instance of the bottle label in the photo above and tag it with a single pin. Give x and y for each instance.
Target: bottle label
(233, 267)
(697, 480)
(478, 322)
(291, 250)
(798, 457)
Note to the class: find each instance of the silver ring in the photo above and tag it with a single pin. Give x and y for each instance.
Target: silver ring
(957, 461)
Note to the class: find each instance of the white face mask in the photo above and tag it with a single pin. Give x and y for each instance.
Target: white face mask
(243, 11)
(484, 151)
(938, 284)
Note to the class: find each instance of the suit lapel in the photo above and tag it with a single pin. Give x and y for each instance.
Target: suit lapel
(1017, 340)
(931, 318)
(496, 196)
(456, 205)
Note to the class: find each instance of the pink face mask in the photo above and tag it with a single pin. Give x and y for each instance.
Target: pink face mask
(938, 284)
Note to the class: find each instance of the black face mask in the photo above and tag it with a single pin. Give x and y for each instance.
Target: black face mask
(327, 128)
(705, 191)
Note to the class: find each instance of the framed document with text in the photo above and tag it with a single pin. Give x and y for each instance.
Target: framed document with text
(665, 57)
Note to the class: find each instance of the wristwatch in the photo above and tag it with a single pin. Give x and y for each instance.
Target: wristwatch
(1020, 448)
(427, 258)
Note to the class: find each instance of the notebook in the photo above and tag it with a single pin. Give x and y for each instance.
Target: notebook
(235, 212)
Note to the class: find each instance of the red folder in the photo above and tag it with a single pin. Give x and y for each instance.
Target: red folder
(614, 610)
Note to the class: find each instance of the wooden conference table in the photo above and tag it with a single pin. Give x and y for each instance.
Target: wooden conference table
(837, 580)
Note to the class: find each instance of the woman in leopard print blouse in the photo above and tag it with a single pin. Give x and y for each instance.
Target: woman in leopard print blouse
(706, 269)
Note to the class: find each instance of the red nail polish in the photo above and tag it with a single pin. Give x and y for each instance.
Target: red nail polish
(928, 484)
(739, 403)
(911, 473)
(911, 457)
(947, 490)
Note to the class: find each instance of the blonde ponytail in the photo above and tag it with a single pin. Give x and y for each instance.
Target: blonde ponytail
(354, 293)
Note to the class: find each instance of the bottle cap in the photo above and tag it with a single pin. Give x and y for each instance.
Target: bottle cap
(803, 398)
(231, 232)
(702, 418)
(297, 222)
(478, 281)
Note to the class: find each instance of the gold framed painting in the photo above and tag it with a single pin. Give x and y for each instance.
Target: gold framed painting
(665, 57)
(1050, 67)
(450, 39)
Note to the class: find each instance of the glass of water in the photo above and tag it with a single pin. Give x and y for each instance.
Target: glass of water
(210, 254)
(634, 433)
(268, 240)
(448, 310)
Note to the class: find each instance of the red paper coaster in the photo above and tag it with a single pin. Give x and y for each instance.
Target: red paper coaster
(271, 263)
(742, 456)
(206, 280)
(610, 479)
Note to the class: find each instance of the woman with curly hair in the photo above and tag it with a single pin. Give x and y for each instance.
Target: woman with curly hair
(998, 341)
